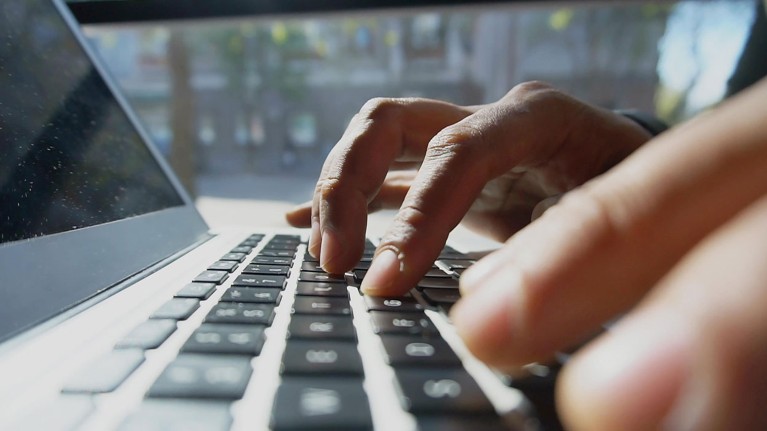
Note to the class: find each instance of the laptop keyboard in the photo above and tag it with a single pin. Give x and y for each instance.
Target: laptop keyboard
(322, 370)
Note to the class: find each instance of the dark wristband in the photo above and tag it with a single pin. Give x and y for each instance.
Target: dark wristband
(647, 121)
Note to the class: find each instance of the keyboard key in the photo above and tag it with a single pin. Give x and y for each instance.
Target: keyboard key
(216, 277)
(271, 260)
(223, 265)
(259, 295)
(321, 358)
(196, 290)
(252, 280)
(316, 403)
(242, 249)
(401, 323)
(311, 267)
(148, 335)
(203, 376)
(226, 338)
(179, 415)
(236, 257)
(455, 264)
(418, 351)
(289, 246)
(438, 283)
(399, 304)
(441, 391)
(321, 327)
(313, 288)
(442, 296)
(107, 373)
(321, 305)
(277, 253)
(177, 309)
(321, 276)
(461, 423)
(261, 269)
(286, 238)
(232, 312)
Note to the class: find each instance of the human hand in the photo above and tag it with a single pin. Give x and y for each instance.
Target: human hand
(675, 236)
(489, 165)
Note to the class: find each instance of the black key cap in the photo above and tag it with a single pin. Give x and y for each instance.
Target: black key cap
(418, 351)
(196, 290)
(177, 415)
(311, 267)
(226, 338)
(442, 296)
(242, 249)
(438, 283)
(317, 403)
(260, 314)
(277, 253)
(359, 275)
(217, 277)
(309, 258)
(441, 391)
(177, 309)
(223, 265)
(261, 269)
(401, 323)
(256, 295)
(106, 374)
(236, 257)
(437, 273)
(393, 304)
(288, 246)
(148, 335)
(461, 423)
(286, 238)
(271, 260)
(321, 305)
(321, 327)
(321, 276)
(321, 358)
(203, 376)
(253, 280)
(458, 263)
(313, 288)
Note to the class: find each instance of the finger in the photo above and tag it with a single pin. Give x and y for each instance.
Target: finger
(390, 196)
(597, 251)
(528, 127)
(385, 131)
(693, 356)
(300, 215)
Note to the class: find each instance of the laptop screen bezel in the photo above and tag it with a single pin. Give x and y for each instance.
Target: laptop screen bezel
(44, 276)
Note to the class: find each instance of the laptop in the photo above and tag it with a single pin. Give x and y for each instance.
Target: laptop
(120, 310)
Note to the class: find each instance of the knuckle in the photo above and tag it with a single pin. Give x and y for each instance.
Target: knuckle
(458, 140)
(328, 187)
(380, 109)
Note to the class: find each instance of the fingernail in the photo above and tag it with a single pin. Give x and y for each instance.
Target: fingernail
(480, 272)
(315, 239)
(331, 248)
(384, 269)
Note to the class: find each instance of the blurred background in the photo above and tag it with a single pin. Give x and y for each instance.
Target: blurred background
(249, 108)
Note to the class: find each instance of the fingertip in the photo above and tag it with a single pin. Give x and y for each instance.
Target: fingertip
(626, 380)
(381, 277)
(300, 215)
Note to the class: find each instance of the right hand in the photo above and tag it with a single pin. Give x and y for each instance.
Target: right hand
(489, 165)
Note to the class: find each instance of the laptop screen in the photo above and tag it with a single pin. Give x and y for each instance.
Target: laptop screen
(85, 204)
(69, 156)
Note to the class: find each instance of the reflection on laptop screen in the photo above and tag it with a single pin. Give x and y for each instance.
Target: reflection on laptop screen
(69, 157)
